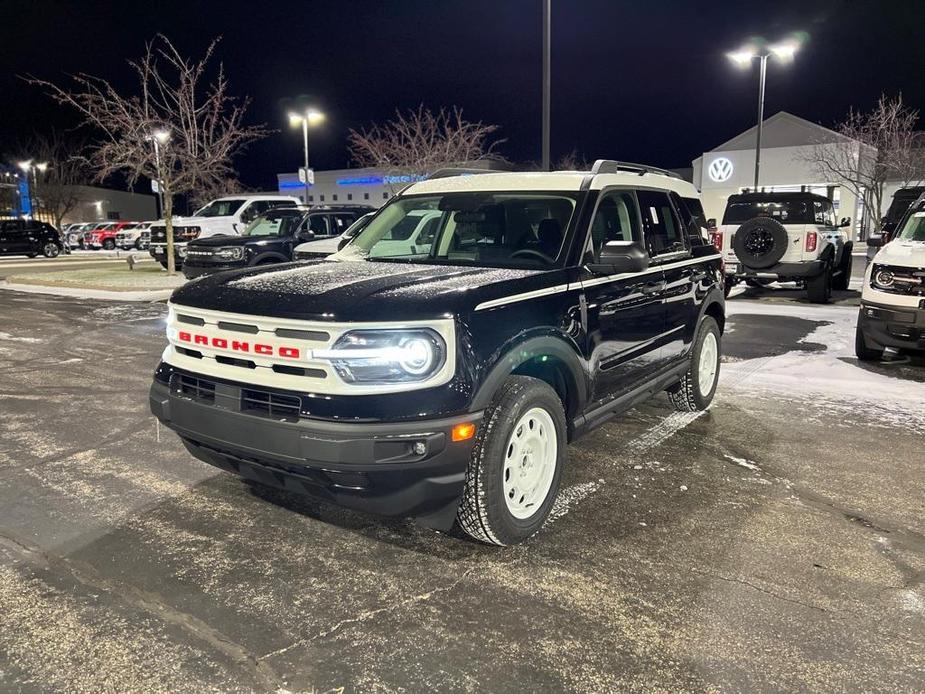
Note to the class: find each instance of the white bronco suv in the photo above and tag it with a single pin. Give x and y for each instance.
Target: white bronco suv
(222, 217)
(784, 237)
(892, 316)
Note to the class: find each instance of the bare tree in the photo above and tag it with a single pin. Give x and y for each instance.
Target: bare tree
(179, 128)
(871, 149)
(420, 141)
(56, 191)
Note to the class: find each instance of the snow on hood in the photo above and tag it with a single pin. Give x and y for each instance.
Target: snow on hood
(902, 252)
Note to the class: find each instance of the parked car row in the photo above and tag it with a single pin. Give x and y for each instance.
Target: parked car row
(108, 236)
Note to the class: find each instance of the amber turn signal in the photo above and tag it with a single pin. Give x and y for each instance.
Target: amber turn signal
(463, 432)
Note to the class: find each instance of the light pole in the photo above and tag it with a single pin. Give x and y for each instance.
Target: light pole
(743, 58)
(308, 117)
(547, 81)
(159, 137)
(28, 167)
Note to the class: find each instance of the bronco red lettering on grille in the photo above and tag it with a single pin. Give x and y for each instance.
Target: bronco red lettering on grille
(290, 352)
(240, 346)
(200, 340)
(220, 342)
(185, 337)
(263, 349)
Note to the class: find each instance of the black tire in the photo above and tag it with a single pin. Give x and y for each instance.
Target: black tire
(841, 281)
(688, 394)
(51, 250)
(728, 284)
(138, 244)
(163, 264)
(819, 288)
(760, 242)
(109, 245)
(483, 513)
(863, 352)
(31, 255)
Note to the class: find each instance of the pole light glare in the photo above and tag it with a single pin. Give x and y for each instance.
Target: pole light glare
(310, 116)
(784, 51)
(742, 58)
(161, 135)
(42, 167)
(25, 165)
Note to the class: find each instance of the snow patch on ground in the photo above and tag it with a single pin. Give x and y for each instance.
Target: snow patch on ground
(742, 462)
(569, 497)
(911, 601)
(10, 338)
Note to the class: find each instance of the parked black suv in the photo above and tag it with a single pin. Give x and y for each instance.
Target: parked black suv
(30, 238)
(445, 382)
(269, 239)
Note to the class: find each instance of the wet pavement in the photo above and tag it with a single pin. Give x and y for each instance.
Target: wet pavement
(775, 542)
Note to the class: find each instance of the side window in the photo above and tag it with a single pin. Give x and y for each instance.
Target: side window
(830, 215)
(819, 213)
(341, 222)
(664, 230)
(616, 219)
(318, 225)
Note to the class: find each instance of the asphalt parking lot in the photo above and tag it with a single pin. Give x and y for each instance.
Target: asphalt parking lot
(775, 542)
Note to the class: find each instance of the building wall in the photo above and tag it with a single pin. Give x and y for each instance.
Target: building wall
(108, 204)
(782, 168)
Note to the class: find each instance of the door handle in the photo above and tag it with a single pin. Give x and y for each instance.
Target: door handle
(653, 288)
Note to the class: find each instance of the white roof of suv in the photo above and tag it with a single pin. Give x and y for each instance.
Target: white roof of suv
(553, 180)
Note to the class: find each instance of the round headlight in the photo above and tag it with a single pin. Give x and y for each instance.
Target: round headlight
(417, 356)
(884, 278)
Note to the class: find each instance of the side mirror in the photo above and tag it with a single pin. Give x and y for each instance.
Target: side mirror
(845, 222)
(619, 257)
(343, 242)
(875, 242)
(305, 235)
(711, 223)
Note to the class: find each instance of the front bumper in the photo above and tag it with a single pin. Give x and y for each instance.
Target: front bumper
(892, 326)
(191, 271)
(811, 268)
(363, 466)
(159, 252)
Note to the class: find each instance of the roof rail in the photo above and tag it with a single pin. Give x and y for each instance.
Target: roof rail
(610, 166)
(451, 171)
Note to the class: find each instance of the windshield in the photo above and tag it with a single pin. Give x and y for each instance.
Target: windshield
(784, 211)
(274, 224)
(914, 228)
(219, 208)
(517, 230)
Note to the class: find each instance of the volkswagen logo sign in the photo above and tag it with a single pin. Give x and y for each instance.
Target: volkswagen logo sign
(720, 170)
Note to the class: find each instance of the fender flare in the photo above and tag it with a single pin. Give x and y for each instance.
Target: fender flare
(271, 255)
(524, 351)
(714, 297)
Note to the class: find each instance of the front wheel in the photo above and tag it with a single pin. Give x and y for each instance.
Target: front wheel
(51, 250)
(695, 390)
(516, 464)
(863, 352)
(109, 245)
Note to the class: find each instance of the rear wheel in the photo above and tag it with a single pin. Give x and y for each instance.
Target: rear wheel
(844, 271)
(516, 464)
(695, 390)
(138, 244)
(109, 244)
(819, 288)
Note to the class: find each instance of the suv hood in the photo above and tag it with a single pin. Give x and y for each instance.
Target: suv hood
(223, 240)
(359, 290)
(190, 221)
(903, 253)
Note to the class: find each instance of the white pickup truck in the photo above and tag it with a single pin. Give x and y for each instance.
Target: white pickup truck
(225, 216)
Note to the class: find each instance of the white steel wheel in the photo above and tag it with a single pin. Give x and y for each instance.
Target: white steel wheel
(529, 463)
(709, 363)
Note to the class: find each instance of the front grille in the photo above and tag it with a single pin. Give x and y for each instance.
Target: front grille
(195, 388)
(273, 405)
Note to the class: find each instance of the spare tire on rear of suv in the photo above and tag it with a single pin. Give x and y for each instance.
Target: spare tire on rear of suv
(760, 242)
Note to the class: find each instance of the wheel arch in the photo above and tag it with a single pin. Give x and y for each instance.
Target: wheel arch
(548, 358)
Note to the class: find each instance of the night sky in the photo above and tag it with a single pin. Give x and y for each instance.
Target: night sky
(639, 81)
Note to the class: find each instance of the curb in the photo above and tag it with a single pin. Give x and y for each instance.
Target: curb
(82, 293)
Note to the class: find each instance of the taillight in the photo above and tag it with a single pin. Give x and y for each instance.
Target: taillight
(716, 238)
(812, 238)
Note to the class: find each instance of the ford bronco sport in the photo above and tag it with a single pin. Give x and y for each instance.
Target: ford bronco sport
(892, 316)
(786, 237)
(445, 385)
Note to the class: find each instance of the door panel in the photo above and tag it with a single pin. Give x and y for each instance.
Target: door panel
(625, 315)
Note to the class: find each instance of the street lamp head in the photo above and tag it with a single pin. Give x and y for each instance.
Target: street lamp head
(161, 135)
(42, 167)
(784, 51)
(314, 116)
(310, 116)
(25, 165)
(743, 57)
